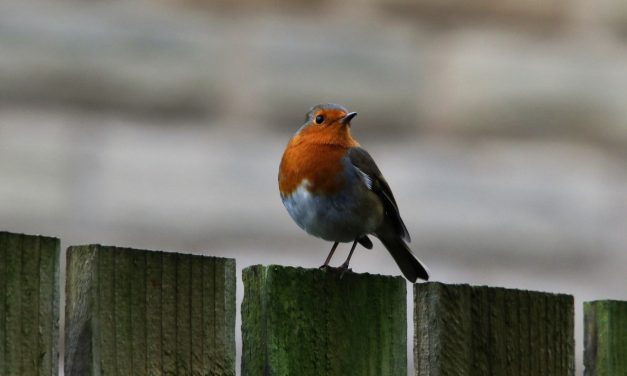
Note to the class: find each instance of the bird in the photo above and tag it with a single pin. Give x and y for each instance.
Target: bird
(333, 189)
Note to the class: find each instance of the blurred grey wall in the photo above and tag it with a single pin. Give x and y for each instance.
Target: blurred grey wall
(501, 127)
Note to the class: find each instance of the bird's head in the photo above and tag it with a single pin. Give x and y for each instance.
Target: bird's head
(329, 115)
(327, 124)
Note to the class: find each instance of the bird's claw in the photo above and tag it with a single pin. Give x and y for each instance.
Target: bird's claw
(341, 270)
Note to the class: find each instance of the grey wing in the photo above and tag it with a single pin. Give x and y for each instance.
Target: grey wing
(371, 176)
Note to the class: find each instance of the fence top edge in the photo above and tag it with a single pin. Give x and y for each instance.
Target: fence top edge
(112, 248)
(303, 270)
(44, 237)
(432, 284)
(604, 301)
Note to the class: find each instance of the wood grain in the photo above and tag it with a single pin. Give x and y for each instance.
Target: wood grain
(310, 322)
(139, 311)
(479, 330)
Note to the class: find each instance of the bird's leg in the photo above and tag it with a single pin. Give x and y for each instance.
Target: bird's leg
(326, 262)
(350, 254)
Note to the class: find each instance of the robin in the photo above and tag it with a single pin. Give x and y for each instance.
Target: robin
(333, 189)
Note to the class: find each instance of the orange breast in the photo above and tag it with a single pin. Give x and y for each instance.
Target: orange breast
(317, 157)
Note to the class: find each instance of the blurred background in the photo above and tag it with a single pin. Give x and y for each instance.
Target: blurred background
(500, 126)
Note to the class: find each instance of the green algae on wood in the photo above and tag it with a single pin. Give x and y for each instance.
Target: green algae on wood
(310, 322)
(479, 330)
(605, 338)
(29, 307)
(134, 312)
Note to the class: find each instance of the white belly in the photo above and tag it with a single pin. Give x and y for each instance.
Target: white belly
(335, 218)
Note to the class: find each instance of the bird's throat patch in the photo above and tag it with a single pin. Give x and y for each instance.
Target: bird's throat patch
(318, 164)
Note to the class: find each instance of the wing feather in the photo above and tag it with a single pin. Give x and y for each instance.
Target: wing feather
(371, 176)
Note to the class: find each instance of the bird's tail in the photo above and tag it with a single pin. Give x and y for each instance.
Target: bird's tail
(411, 267)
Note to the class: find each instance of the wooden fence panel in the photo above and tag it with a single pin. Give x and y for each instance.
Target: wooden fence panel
(29, 302)
(133, 312)
(605, 338)
(470, 330)
(154, 313)
(310, 322)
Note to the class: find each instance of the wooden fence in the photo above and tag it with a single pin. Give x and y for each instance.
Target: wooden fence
(135, 312)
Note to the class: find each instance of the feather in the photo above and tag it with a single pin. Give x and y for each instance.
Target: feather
(367, 170)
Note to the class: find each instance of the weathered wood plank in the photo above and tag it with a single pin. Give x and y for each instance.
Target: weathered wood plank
(605, 339)
(106, 313)
(196, 314)
(29, 285)
(81, 294)
(13, 306)
(122, 312)
(138, 299)
(471, 330)
(310, 322)
(135, 307)
(29, 297)
(168, 313)
(183, 315)
(154, 337)
(48, 328)
(4, 240)
(223, 361)
(209, 299)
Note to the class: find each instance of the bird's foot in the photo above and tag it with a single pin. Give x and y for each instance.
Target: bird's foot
(343, 269)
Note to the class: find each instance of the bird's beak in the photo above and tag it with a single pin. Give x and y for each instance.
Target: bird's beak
(347, 119)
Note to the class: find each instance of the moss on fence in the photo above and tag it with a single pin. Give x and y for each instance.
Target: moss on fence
(605, 340)
(132, 312)
(479, 330)
(29, 304)
(310, 322)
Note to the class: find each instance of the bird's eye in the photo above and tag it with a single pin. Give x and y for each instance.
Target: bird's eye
(319, 119)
